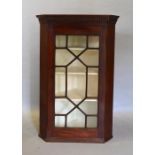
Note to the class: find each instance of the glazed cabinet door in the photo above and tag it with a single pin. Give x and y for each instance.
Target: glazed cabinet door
(76, 108)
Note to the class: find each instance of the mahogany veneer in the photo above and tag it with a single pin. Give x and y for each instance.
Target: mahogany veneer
(104, 27)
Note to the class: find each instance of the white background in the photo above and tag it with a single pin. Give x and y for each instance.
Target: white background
(122, 141)
(10, 81)
(122, 78)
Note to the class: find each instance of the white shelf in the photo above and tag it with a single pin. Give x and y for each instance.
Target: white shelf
(76, 48)
(76, 73)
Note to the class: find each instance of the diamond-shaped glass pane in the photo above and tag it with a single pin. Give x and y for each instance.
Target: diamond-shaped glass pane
(76, 81)
(60, 81)
(63, 57)
(76, 119)
(89, 106)
(90, 57)
(62, 106)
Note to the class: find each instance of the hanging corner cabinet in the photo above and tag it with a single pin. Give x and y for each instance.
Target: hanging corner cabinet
(76, 77)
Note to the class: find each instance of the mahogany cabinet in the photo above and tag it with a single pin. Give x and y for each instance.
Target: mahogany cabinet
(76, 77)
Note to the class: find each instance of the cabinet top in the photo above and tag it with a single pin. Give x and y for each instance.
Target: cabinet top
(81, 19)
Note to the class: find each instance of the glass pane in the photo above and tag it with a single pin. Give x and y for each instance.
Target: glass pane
(90, 57)
(59, 121)
(76, 119)
(77, 41)
(76, 51)
(93, 41)
(60, 41)
(89, 106)
(63, 57)
(76, 81)
(62, 106)
(60, 81)
(91, 122)
(92, 82)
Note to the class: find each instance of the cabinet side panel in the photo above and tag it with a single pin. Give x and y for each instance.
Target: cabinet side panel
(108, 109)
(43, 81)
(102, 83)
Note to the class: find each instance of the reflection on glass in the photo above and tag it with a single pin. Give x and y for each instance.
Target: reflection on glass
(59, 121)
(90, 57)
(92, 82)
(89, 107)
(59, 81)
(62, 106)
(60, 40)
(91, 122)
(63, 57)
(93, 41)
(76, 119)
(76, 81)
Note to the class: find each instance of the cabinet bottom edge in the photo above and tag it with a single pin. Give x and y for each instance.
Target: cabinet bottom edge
(75, 140)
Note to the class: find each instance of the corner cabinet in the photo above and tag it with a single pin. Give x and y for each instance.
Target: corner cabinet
(76, 77)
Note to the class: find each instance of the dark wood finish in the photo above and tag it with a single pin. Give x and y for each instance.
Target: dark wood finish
(102, 25)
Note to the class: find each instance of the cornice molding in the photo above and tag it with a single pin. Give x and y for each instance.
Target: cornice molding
(79, 19)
